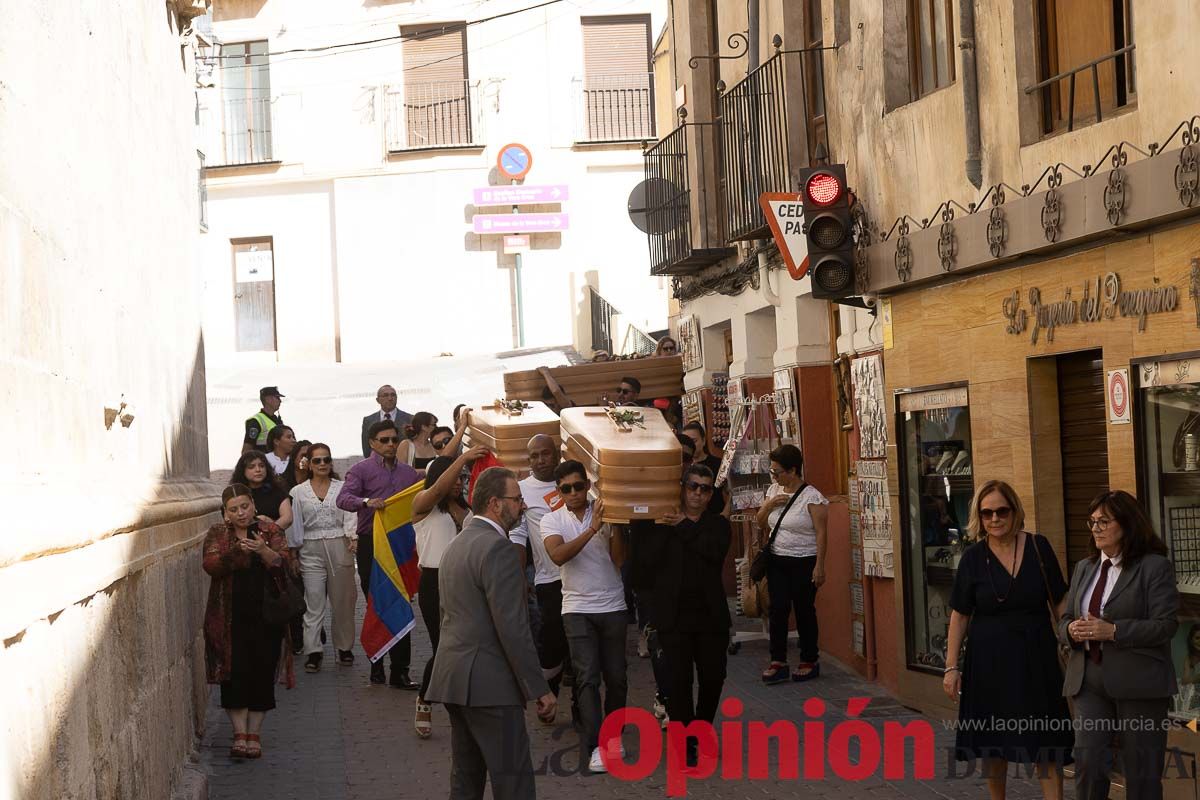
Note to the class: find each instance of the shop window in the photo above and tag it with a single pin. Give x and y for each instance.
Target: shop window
(937, 483)
(1167, 415)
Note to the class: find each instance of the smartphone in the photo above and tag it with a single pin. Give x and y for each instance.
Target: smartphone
(252, 531)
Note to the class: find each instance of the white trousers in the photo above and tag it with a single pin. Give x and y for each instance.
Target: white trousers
(327, 566)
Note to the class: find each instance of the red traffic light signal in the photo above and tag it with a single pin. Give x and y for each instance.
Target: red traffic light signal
(823, 188)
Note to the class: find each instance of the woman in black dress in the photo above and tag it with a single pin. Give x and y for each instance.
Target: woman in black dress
(1009, 685)
(270, 498)
(241, 648)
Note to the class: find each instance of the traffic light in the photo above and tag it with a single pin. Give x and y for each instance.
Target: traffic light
(828, 230)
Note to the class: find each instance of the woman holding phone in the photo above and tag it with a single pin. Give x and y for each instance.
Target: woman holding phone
(241, 648)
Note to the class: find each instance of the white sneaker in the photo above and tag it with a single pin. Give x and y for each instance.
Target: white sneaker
(597, 763)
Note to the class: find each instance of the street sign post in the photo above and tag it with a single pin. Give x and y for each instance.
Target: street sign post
(520, 223)
(785, 214)
(516, 195)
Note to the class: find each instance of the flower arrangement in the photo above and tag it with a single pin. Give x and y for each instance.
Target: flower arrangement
(625, 418)
(514, 408)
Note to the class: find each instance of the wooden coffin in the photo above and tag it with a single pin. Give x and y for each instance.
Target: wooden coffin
(636, 472)
(507, 435)
(590, 384)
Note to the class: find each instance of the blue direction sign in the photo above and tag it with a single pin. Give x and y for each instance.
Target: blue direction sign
(514, 161)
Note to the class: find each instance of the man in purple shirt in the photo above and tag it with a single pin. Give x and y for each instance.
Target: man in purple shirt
(368, 484)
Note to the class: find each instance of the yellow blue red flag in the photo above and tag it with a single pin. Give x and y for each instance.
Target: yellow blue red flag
(394, 576)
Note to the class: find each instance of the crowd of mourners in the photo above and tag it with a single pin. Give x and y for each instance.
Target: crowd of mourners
(526, 592)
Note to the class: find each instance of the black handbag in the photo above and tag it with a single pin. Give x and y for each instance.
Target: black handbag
(282, 599)
(758, 565)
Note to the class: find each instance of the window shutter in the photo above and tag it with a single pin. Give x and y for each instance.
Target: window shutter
(437, 109)
(616, 45)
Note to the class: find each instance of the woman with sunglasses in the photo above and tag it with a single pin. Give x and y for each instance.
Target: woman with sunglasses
(796, 514)
(666, 347)
(1121, 614)
(418, 450)
(1008, 684)
(439, 511)
(326, 537)
(678, 561)
(242, 649)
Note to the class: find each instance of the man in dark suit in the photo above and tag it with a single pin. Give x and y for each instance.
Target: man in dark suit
(487, 667)
(386, 397)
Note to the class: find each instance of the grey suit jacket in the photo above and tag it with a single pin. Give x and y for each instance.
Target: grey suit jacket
(402, 419)
(1144, 604)
(486, 655)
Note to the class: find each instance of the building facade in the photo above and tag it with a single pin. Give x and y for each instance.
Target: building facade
(1027, 265)
(104, 405)
(352, 150)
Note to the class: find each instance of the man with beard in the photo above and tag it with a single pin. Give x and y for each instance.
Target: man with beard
(486, 668)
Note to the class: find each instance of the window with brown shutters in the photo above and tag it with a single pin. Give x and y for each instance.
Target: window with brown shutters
(617, 86)
(436, 101)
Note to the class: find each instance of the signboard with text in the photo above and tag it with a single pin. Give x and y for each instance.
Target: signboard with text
(520, 223)
(517, 195)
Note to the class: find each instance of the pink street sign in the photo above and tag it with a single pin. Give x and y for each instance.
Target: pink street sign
(514, 195)
(520, 223)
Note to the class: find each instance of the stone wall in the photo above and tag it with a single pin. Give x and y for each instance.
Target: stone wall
(100, 645)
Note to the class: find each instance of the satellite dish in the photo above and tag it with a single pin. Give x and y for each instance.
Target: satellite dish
(657, 206)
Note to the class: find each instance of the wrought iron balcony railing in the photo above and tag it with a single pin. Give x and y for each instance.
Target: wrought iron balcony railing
(761, 119)
(1120, 93)
(243, 133)
(429, 116)
(614, 108)
(680, 202)
(602, 314)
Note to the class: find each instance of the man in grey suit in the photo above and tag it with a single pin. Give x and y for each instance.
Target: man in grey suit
(1121, 613)
(386, 397)
(487, 667)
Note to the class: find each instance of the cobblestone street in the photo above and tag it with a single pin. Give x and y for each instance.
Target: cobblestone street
(335, 737)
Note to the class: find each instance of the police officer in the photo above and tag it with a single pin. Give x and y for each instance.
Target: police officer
(258, 426)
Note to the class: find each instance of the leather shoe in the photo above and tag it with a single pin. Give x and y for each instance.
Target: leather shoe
(377, 675)
(400, 680)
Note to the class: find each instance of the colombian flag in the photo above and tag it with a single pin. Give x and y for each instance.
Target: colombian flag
(394, 577)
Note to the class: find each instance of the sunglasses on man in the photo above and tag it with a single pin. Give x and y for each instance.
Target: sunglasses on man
(388, 439)
(440, 443)
(702, 488)
(571, 488)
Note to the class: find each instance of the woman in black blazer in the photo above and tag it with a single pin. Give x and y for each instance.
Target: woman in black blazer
(1122, 610)
(679, 562)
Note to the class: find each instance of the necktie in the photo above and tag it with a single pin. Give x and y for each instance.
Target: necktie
(1094, 607)
(387, 415)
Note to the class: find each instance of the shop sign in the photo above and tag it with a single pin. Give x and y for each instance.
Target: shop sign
(934, 398)
(1103, 299)
(1117, 391)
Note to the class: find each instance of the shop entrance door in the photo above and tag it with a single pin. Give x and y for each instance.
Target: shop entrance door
(1083, 439)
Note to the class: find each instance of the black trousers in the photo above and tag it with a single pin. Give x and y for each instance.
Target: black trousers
(701, 653)
(431, 612)
(790, 585)
(401, 652)
(553, 648)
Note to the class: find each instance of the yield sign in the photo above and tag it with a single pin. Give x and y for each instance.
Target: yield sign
(785, 214)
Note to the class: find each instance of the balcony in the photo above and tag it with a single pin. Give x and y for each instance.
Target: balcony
(242, 135)
(614, 108)
(772, 123)
(680, 204)
(433, 116)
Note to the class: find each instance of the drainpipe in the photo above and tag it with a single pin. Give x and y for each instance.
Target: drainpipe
(970, 85)
(752, 19)
(764, 280)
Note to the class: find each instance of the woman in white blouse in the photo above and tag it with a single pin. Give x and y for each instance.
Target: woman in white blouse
(439, 512)
(325, 536)
(796, 566)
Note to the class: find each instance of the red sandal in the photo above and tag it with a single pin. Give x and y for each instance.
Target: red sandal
(253, 746)
(238, 749)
